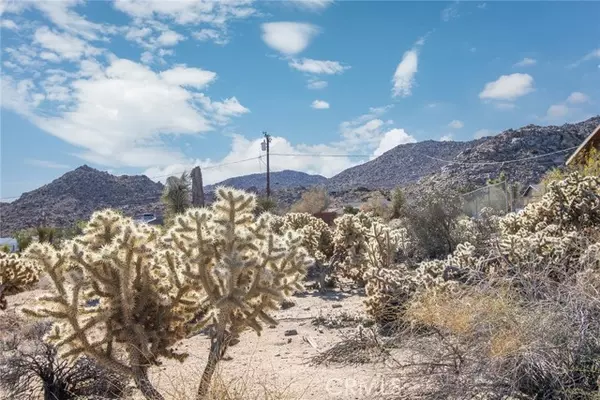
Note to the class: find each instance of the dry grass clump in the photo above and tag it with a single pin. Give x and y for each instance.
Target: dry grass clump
(362, 347)
(489, 341)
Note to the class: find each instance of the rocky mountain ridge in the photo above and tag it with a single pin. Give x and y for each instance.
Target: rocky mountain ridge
(523, 154)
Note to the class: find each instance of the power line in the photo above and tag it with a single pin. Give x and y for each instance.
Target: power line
(319, 155)
(501, 162)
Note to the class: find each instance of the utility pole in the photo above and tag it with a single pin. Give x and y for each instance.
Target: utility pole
(265, 146)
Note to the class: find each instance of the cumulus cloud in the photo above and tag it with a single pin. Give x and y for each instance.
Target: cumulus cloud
(183, 76)
(578, 98)
(311, 5)
(365, 133)
(404, 77)
(119, 114)
(316, 84)
(391, 139)
(205, 35)
(482, 133)
(320, 105)
(592, 55)
(557, 111)
(169, 38)
(456, 124)
(447, 138)
(526, 62)
(508, 87)
(8, 24)
(67, 46)
(318, 66)
(289, 38)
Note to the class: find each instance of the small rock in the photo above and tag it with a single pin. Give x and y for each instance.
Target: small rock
(227, 358)
(278, 355)
(289, 340)
(272, 326)
(306, 308)
(287, 304)
(320, 330)
(291, 332)
(336, 306)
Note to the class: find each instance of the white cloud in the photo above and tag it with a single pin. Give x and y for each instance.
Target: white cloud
(193, 77)
(594, 54)
(189, 12)
(169, 38)
(391, 139)
(136, 33)
(557, 111)
(450, 12)
(456, 124)
(482, 133)
(8, 24)
(311, 5)
(118, 115)
(213, 35)
(526, 62)
(320, 105)
(306, 159)
(508, 87)
(404, 77)
(65, 45)
(45, 164)
(49, 56)
(316, 84)
(318, 66)
(222, 111)
(288, 38)
(578, 98)
(364, 133)
(447, 138)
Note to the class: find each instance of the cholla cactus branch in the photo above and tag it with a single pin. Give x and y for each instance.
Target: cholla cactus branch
(16, 274)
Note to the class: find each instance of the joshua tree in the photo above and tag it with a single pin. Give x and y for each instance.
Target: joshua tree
(177, 194)
(218, 268)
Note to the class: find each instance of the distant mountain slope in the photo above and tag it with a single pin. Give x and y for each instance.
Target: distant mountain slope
(468, 164)
(77, 194)
(523, 154)
(402, 165)
(279, 180)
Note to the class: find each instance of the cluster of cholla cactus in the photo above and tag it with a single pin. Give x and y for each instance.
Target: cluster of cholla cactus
(316, 235)
(125, 294)
(554, 240)
(16, 275)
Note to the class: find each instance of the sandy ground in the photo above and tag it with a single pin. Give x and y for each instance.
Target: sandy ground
(276, 366)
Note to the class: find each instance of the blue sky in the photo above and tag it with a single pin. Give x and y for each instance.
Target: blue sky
(157, 87)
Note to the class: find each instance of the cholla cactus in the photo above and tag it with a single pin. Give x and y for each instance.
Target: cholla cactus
(239, 267)
(16, 275)
(571, 204)
(219, 268)
(129, 296)
(316, 235)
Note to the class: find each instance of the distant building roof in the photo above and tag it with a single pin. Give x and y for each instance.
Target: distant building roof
(531, 189)
(592, 140)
